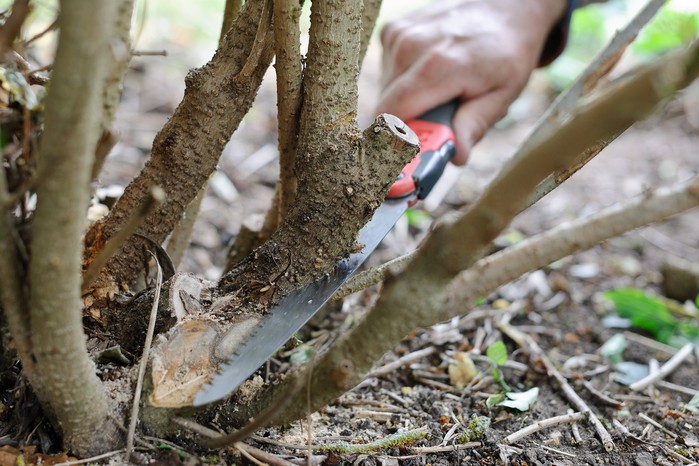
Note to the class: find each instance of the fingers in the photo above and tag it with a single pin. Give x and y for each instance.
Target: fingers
(420, 88)
(476, 116)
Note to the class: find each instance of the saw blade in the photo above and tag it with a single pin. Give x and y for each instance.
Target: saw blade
(294, 310)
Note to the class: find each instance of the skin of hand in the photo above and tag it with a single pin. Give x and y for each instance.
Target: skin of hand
(479, 51)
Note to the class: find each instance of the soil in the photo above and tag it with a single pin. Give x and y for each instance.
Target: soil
(560, 307)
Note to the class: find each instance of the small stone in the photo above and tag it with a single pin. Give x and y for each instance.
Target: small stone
(643, 459)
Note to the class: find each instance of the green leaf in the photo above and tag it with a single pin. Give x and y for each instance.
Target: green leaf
(493, 400)
(521, 401)
(668, 30)
(651, 314)
(301, 355)
(497, 353)
(417, 217)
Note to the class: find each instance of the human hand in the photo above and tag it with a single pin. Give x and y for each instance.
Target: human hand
(479, 51)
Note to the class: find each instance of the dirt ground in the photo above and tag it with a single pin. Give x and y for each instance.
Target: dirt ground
(559, 307)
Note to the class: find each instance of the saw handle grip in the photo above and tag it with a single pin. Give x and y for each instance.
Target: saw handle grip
(437, 148)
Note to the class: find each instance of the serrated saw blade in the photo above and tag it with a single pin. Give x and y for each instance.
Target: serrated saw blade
(293, 311)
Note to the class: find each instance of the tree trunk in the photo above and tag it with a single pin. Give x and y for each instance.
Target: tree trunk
(65, 376)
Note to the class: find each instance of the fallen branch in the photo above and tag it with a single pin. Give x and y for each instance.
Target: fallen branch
(526, 342)
(545, 424)
(446, 448)
(665, 370)
(396, 440)
(402, 361)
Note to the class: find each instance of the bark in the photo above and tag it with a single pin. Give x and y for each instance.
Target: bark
(13, 293)
(289, 69)
(289, 91)
(230, 13)
(65, 376)
(369, 17)
(207, 325)
(179, 239)
(339, 184)
(186, 150)
(567, 101)
(121, 56)
(414, 298)
(564, 105)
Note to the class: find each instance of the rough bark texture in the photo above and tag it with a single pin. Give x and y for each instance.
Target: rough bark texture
(230, 13)
(289, 87)
(177, 375)
(186, 150)
(65, 375)
(289, 70)
(369, 17)
(121, 55)
(339, 185)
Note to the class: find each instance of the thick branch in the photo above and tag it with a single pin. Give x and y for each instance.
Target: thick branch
(186, 150)
(339, 184)
(289, 88)
(287, 42)
(369, 17)
(66, 376)
(567, 101)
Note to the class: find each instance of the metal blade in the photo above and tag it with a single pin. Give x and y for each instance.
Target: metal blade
(293, 311)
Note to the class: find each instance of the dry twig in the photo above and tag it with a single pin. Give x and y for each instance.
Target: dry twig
(144, 362)
(672, 364)
(545, 424)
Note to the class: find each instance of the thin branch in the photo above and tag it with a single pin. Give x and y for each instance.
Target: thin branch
(446, 448)
(144, 362)
(566, 102)
(657, 425)
(13, 25)
(544, 424)
(103, 456)
(601, 397)
(400, 362)
(155, 198)
(51, 27)
(289, 91)
(665, 370)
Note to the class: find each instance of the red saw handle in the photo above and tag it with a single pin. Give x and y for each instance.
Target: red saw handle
(437, 148)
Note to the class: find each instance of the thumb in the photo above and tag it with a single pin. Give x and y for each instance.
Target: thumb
(475, 117)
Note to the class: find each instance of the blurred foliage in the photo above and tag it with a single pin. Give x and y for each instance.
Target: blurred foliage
(593, 26)
(651, 314)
